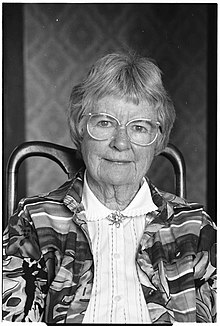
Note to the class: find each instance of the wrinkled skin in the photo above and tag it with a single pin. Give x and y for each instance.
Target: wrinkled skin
(115, 167)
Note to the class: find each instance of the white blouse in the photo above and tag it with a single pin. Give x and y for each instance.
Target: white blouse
(117, 295)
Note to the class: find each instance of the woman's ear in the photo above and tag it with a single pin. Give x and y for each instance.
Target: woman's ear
(159, 144)
(81, 127)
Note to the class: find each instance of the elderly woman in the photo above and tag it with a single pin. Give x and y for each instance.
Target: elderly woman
(108, 246)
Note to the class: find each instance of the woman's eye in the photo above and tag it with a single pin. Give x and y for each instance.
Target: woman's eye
(104, 123)
(138, 128)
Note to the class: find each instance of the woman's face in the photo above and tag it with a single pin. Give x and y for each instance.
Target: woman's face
(117, 161)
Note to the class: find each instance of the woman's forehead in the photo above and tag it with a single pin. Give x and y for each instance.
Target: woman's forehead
(122, 107)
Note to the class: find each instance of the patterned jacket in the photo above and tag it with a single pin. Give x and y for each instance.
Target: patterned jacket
(48, 264)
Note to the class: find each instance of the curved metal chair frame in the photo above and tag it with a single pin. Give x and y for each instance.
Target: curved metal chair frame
(69, 160)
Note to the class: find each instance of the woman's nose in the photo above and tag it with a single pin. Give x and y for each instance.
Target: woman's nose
(120, 140)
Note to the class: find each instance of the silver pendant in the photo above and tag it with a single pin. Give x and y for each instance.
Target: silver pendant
(116, 218)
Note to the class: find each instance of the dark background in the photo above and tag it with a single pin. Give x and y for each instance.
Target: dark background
(47, 48)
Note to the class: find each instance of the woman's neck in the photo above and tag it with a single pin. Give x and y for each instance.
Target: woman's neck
(112, 196)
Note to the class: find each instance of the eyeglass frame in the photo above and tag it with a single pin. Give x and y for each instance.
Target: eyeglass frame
(90, 114)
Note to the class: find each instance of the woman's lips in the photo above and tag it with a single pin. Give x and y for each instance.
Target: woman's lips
(120, 162)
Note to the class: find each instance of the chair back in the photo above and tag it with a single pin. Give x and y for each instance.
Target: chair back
(70, 162)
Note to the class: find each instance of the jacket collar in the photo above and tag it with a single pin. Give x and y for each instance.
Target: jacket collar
(165, 202)
(71, 195)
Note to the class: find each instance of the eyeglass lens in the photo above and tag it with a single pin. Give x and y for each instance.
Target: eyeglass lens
(103, 127)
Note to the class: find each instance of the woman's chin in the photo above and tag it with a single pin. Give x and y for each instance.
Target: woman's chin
(118, 174)
(118, 177)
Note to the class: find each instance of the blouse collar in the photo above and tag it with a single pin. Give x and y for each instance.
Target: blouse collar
(141, 204)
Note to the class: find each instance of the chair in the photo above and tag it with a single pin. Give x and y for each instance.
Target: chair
(69, 160)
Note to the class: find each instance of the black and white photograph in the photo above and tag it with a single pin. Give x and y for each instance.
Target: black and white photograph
(109, 168)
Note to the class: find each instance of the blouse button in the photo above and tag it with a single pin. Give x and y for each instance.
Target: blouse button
(117, 298)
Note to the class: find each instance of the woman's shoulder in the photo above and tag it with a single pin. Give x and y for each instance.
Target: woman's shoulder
(72, 187)
(56, 195)
(184, 209)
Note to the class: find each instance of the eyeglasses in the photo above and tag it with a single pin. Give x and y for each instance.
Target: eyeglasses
(103, 126)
